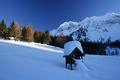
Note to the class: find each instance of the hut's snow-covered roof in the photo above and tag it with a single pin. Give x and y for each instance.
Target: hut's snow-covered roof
(70, 46)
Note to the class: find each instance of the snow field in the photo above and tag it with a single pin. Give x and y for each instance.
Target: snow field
(18, 62)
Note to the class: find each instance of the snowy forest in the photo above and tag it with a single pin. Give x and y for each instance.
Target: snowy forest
(27, 33)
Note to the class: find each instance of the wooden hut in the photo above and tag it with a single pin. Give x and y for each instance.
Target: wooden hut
(73, 51)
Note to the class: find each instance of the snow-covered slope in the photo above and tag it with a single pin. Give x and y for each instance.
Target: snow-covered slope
(34, 45)
(96, 28)
(19, 62)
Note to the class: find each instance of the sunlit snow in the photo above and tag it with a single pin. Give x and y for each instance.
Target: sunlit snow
(20, 62)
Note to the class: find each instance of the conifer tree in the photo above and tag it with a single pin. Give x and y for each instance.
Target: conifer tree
(15, 31)
(38, 37)
(46, 38)
(3, 29)
(11, 30)
(24, 34)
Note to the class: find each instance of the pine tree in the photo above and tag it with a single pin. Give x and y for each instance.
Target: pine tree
(46, 38)
(11, 30)
(3, 29)
(38, 36)
(24, 34)
(15, 31)
(53, 42)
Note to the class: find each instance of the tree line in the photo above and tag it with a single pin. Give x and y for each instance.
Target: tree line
(26, 33)
(23, 33)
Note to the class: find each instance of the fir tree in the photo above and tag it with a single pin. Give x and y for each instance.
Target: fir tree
(38, 37)
(11, 30)
(3, 29)
(46, 38)
(24, 34)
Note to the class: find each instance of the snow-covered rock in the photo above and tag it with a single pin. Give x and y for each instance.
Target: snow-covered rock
(70, 46)
(96, 28)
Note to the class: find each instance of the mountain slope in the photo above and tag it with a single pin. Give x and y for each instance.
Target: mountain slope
(96, 28)
(65, 29)
(18, 62)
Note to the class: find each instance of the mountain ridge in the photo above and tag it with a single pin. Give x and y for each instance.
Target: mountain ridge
(96, 28)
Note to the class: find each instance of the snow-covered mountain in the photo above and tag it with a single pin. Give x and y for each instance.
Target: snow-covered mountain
(96, 28)
(66, 28)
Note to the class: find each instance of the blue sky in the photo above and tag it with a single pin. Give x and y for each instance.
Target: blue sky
(49, 14)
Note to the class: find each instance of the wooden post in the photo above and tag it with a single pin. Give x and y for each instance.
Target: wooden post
(71, 66)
